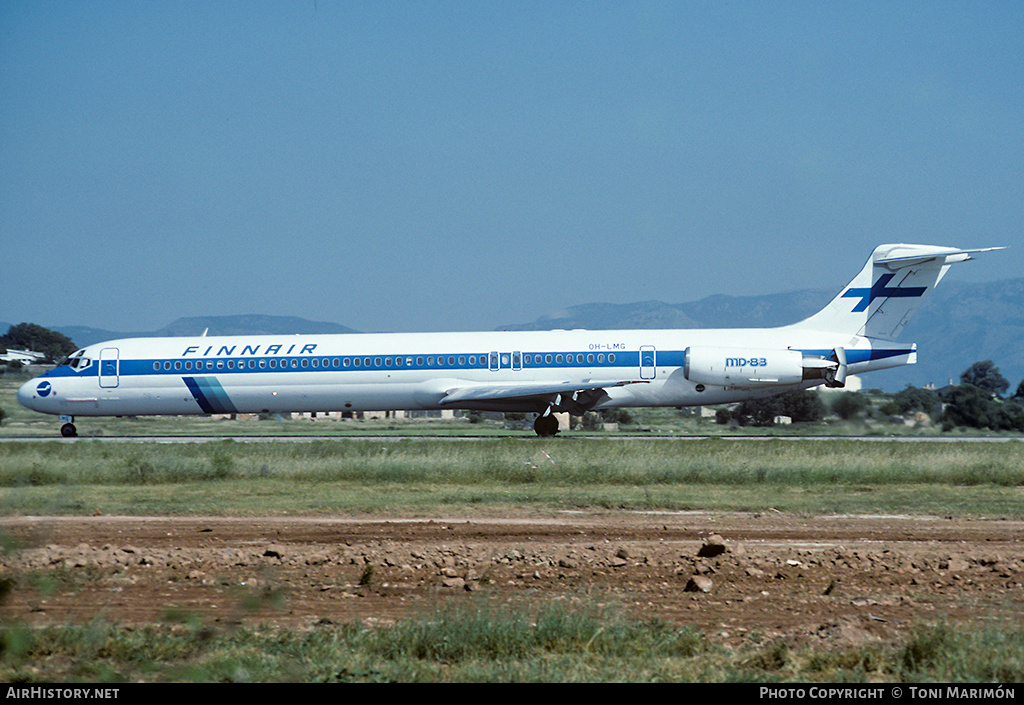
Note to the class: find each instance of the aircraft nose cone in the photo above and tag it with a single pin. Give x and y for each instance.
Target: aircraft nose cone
(30, 392)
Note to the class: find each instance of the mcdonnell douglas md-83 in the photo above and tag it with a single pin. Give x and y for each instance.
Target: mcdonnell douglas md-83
(539, 371)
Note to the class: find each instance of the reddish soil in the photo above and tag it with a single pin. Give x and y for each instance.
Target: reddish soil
(826, 580)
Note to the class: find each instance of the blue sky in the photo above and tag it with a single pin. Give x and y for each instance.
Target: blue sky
(462, 165)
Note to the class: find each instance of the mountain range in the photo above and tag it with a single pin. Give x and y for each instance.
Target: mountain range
(959, 324)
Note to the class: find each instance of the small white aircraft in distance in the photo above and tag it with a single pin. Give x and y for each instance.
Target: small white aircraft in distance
(536, 371)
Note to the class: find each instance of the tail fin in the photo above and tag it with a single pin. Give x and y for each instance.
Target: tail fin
(893, 284)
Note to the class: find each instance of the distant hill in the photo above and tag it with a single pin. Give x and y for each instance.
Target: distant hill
(251, 325)
(217, 325)
(959, 324)
(718, 311)
(962, 323)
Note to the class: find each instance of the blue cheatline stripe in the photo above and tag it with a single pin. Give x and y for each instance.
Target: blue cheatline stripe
(379, 362)
(212, 393)
(210, 396)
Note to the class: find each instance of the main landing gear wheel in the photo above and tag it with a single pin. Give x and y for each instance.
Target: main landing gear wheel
(68, 430)
(546, 426)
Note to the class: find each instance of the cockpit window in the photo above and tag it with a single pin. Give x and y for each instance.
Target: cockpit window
(72, 359)
(76, 361)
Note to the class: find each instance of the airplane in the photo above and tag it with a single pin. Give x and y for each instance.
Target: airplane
(544, 372)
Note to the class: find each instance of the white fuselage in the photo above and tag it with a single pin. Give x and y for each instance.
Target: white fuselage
(408, 371)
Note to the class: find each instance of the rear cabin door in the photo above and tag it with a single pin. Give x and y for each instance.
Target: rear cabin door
(648, 368)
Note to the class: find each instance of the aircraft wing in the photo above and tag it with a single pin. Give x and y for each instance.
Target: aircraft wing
(562, 393)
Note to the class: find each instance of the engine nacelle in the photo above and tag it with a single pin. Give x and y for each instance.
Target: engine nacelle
(743, 367)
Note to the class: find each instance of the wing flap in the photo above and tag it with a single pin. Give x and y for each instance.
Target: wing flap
(498, 392)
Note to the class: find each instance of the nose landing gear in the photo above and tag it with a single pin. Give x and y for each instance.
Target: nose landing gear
(68, 430)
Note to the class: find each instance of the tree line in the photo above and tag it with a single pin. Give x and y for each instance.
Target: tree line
(29, 336)
(979, 401)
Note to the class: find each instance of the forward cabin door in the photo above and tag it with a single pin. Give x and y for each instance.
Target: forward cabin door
(109, 364)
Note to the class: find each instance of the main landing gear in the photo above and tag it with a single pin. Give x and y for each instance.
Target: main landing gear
(546, 425)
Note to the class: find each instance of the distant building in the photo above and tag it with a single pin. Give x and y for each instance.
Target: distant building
(25, 357)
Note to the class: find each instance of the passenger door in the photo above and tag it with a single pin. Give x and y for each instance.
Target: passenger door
(109, 368)
(648, 362)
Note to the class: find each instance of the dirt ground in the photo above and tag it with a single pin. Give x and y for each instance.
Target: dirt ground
(827, 580)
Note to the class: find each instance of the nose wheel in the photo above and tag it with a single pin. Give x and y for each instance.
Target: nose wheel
(68, 430)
